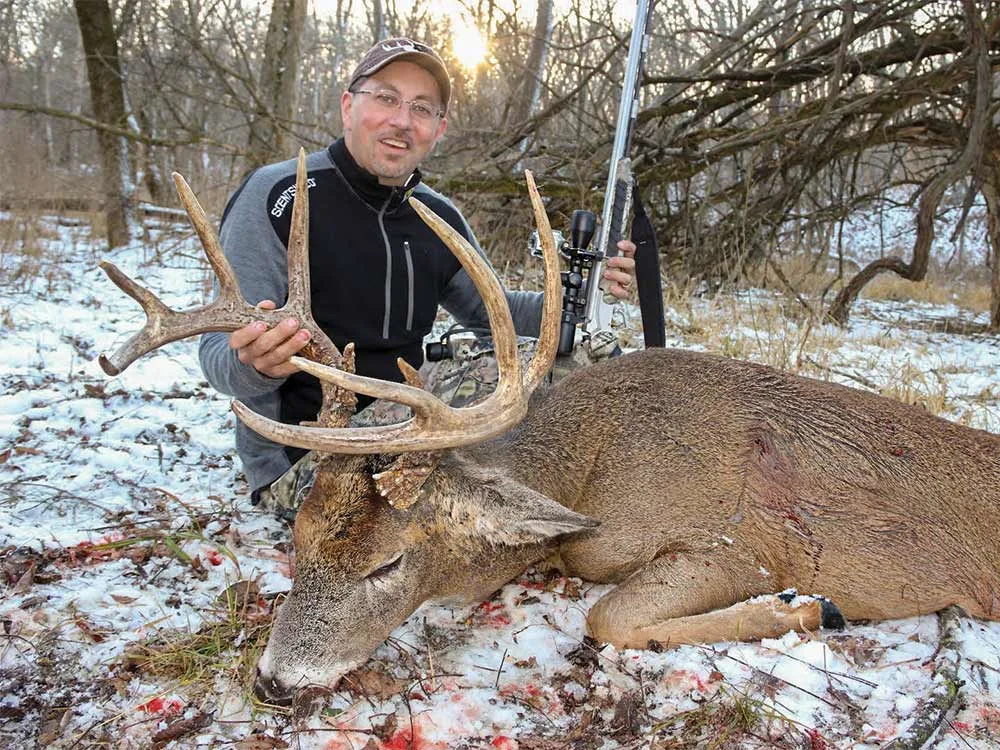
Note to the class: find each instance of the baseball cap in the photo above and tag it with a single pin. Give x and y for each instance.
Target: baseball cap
(401, 48)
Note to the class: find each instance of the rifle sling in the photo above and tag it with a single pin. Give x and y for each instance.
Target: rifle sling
(647, 275)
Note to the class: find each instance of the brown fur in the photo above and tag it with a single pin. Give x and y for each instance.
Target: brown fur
(712, 481)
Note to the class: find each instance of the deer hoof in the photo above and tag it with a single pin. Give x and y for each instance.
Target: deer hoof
(832, 618)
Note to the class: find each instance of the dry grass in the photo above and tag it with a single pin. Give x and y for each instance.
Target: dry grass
(781, 327)
(969, 290)
(928, 390)
(24, 242)
(229, 643)
(807, 274)
(732, 717)
(769, 329)
(932, 290)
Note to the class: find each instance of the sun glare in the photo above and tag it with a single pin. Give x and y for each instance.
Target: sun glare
(468, 45)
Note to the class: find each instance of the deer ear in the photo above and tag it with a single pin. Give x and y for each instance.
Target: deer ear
(507, 512)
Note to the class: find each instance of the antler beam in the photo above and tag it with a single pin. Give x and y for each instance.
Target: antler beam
(229, 311)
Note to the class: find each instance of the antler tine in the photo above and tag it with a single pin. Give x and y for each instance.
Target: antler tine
(426, 405)
(548, 335)
(298, 244)
(213, 250)
(436, 425)
(164, 325)
(338, 404)
(509, 386)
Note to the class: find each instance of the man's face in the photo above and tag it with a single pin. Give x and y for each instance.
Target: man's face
(390, 142)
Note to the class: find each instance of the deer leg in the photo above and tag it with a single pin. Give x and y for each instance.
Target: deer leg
(703, 598)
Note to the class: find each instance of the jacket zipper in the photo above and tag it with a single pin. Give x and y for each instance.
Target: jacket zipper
(409, 285)
(388, 275)
(388, 270)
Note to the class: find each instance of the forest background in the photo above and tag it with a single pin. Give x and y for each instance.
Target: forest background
(764, 127)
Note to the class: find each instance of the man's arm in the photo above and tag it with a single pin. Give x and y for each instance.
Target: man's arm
(462, 300)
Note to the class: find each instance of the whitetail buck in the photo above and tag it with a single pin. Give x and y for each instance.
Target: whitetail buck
(699, 484)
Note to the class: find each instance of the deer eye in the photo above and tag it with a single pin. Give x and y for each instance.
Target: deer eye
(386, 568)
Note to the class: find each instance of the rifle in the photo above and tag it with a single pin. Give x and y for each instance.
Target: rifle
(594, 313)
(586, 266)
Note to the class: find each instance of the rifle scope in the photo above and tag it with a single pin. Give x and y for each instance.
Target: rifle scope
(582, 227)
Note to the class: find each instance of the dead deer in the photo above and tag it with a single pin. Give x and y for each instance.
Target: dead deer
(701, 485)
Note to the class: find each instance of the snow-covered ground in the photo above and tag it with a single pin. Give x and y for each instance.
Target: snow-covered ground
(123, 516)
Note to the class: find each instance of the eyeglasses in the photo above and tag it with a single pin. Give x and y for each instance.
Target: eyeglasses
(388, 100)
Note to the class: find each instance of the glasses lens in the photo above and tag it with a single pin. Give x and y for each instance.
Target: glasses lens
(421, 110)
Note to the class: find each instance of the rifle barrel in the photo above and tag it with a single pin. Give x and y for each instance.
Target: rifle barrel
(618, 194)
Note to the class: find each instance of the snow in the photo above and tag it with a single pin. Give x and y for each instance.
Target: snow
(144, 461)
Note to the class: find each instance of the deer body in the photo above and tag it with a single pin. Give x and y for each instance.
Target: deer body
(712, 481)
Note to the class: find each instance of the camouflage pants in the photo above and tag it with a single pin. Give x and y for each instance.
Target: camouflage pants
(468, 377)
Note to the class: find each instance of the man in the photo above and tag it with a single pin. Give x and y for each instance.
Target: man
(378, 273)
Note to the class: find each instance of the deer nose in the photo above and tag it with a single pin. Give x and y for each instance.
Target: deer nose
(269, 690)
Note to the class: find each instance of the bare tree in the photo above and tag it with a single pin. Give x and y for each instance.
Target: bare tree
(763, 126)
(100, 45)
(376, 20)
(532, 80)
(969, 161)
(278, 82)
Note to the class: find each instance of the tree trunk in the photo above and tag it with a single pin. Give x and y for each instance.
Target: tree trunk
(377, 19)
(152, 177)
(278, 83)
(995, 285)
(534, 70)
(991, 191)
(100, 47)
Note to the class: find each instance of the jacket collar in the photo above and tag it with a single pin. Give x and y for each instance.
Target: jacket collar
(365, 184)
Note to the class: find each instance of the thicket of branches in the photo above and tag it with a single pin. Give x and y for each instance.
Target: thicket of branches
(763, 125)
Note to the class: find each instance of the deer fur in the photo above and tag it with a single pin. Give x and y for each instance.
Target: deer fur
(695, 482)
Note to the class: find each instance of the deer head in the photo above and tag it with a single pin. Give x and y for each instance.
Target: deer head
(397, 515)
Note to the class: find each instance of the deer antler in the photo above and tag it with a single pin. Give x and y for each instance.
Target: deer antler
(434, 424)
(229, 311)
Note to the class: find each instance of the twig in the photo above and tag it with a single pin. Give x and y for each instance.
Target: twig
(503, 658)
(759, 671)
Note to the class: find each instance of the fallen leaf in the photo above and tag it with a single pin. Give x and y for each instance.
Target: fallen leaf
(94, 390)
(628, 714)
(52, 727)
(373, 683)
(260, 742)
(95, 634)
(27, 579)
(386, 729)
(572, 590)
(240, 596)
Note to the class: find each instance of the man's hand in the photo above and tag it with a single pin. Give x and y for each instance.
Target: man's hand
(267, 351)
(619, 271)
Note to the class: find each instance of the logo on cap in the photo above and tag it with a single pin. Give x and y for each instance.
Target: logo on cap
(407, 46)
